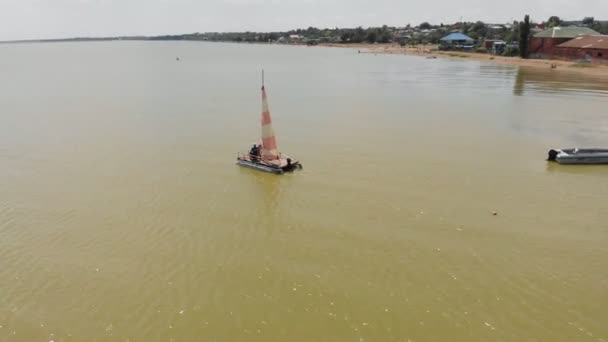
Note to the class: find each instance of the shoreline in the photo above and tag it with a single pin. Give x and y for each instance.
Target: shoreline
(426, 51)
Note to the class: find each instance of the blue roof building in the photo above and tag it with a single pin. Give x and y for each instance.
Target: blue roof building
(457, 38)
(456, 41)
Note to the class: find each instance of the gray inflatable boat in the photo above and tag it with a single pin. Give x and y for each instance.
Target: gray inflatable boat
(579, 156)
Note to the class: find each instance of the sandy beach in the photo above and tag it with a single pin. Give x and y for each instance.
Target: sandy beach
(430, 51)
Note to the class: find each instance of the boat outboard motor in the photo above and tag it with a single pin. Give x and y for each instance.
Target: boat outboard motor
(552, 155)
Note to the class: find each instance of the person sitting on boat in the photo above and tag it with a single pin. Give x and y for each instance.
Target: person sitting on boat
(254, 152)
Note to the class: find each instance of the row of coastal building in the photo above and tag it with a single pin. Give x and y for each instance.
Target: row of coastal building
(573, 43)
(568, 43)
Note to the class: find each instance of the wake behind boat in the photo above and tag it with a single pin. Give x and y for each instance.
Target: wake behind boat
(265, 157)
(579, 156)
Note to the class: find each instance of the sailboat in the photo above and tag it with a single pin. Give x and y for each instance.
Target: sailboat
(266, 157)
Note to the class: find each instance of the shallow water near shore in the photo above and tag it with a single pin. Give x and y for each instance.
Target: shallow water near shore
(123, 216)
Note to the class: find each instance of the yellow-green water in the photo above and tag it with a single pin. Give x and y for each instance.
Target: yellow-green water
(124, 218)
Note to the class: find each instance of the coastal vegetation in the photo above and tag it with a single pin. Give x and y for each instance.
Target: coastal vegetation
(424, 33)
(515, 35)
(524, 39)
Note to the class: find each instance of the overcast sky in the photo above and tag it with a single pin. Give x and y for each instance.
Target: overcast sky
(31, 19)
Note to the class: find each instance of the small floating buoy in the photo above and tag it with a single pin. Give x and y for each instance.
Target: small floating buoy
(177, 59)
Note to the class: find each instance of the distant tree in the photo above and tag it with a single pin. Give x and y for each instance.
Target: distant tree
(372, 36)
(478, 26)
(554, 21)
(513, 34)
(385, 37)
(588, 21)
(312, 32)
(346, 36)
(524, 36)
(436, 36)
(480, 29)
(425, 26)
(358, 35)
(601, 27)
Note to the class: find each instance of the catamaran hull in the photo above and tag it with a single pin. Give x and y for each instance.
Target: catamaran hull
(579, 156)
(279, 170)
(260, 167)
(583, 160)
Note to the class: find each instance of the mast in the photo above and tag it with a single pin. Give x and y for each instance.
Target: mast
(269, 142)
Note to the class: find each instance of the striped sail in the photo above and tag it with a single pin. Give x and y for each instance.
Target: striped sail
(269, 142)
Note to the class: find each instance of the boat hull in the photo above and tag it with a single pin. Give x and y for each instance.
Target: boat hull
(260, 167)
(591, 156)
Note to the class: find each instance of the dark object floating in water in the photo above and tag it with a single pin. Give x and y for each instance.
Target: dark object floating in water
(177, 59)
(266, 157)
(431, 57)
(579, 156)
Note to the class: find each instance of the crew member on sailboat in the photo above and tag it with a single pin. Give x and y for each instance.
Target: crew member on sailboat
(255, 152)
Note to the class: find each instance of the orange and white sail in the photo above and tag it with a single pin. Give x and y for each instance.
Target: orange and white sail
(269, 142)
